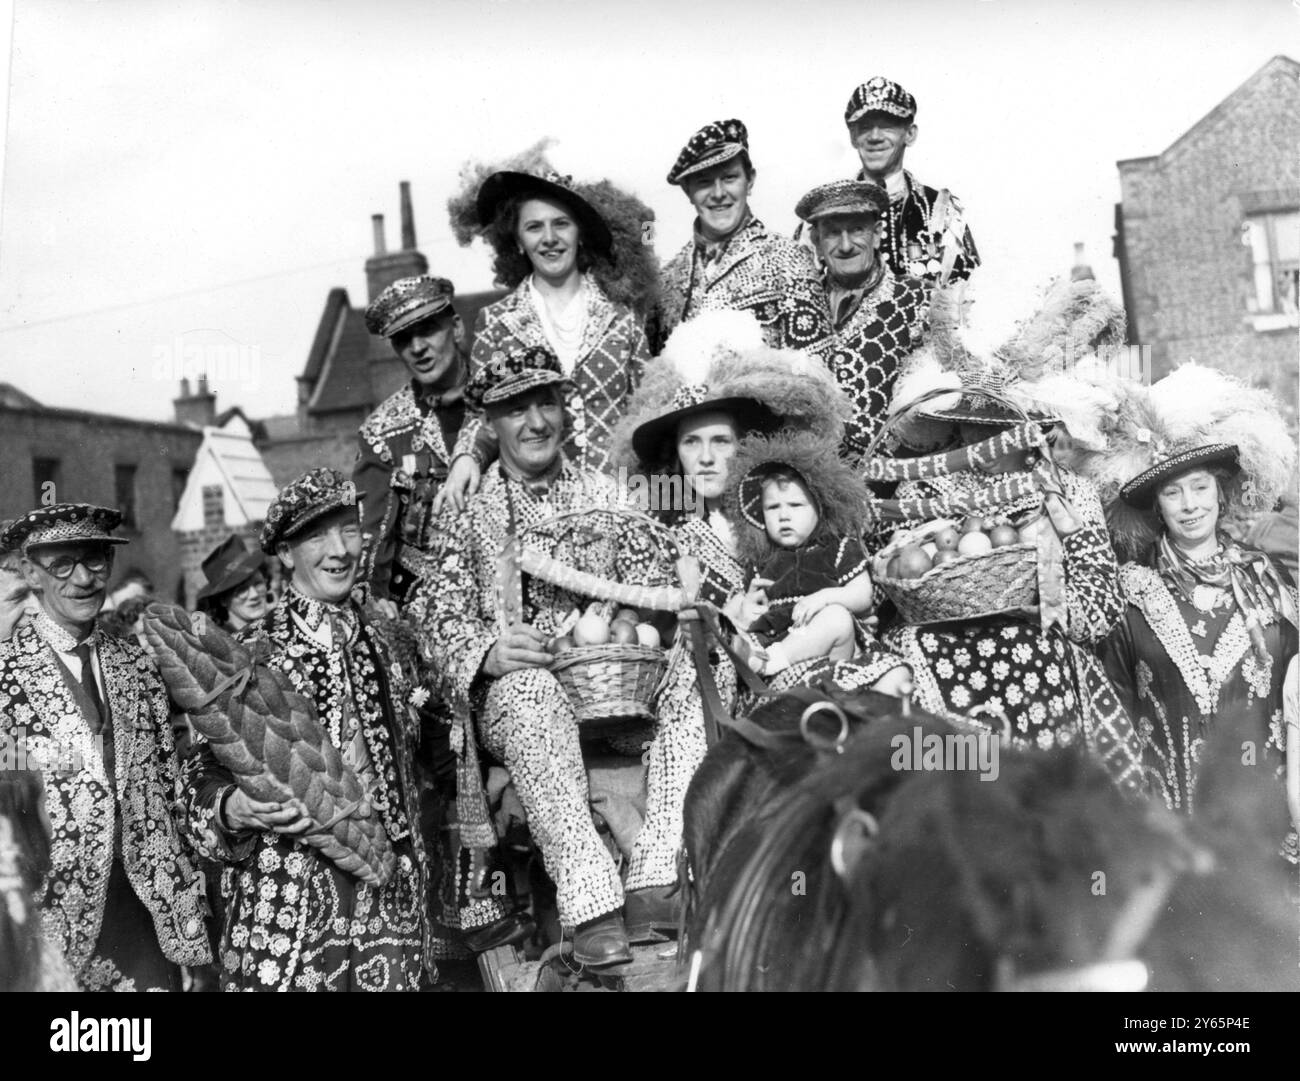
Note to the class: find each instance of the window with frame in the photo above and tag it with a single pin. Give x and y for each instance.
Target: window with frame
(1273, 238)
(124, 494)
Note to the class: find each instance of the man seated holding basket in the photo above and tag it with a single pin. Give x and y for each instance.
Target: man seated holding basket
(487, 636)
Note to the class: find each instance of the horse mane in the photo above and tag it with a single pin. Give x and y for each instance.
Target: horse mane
(973, 884)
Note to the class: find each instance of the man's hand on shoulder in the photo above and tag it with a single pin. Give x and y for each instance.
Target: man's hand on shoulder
(521, 646)
(462, 481)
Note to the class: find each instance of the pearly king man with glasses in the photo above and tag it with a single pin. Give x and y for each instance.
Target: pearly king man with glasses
(122, 900)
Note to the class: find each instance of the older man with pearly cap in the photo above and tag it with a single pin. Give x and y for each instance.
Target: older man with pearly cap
(924, 233)
(295, 920)
(733, 261)
(878, 316)
(123, 902)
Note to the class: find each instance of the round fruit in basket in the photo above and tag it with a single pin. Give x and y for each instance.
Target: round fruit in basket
(946, 540)
(912, 562)
(559, 645)
(945, 555)
(975, 543)
(590, 630)
(1001, 536)
(647, 635)
(622, 633)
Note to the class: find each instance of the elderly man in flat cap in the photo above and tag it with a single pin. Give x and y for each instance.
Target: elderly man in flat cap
(295, 921)
(488, 636)
(123, 902)
(734, 261)
(878, 316)
(924, 234)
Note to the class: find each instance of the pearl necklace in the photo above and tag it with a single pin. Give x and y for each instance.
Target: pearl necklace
(565, 335)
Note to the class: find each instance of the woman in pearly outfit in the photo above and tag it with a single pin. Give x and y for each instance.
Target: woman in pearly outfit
(1209, 626)
(547, 239)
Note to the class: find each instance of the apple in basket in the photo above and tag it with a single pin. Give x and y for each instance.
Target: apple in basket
(590, 630)
(622, 633)
(647, 635)
(946, 540)
(559, 645)
(1001, 536)
(912, 561)
(944, 555)
(628, 615)
(974, 543)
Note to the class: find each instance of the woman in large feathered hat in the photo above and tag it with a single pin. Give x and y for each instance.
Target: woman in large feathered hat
(715, 383)
(582, 278)
(994, 417)
(1209, 624)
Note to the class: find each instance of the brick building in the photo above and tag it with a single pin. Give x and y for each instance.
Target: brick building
(70, 455)
(1207, 234)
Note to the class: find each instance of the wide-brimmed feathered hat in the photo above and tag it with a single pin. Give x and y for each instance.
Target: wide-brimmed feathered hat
(1196, 417)
(838, 492)
(1045, 368)
(628, 274)
(548, 185)
(719, 361)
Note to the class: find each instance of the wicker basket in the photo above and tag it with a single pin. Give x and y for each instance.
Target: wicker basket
(1003, 581)
(607, 684)
(611, 683)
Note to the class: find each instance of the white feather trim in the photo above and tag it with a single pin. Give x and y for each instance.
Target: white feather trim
(693, 345)
(923, 374)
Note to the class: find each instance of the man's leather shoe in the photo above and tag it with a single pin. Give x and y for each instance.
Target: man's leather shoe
(601, 942)
(510, 930)
(648, 911)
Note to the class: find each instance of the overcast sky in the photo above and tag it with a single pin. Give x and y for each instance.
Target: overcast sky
(190, 177)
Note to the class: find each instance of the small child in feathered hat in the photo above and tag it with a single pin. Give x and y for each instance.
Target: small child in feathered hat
(809, 589)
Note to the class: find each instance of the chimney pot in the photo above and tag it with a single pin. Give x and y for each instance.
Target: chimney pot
(377, 222)
(408, 218)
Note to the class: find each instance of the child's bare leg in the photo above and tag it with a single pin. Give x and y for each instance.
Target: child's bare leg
(830, 633)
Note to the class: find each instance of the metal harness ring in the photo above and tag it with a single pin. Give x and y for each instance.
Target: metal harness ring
(816, 741)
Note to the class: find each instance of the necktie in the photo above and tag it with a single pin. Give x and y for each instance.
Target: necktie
(99, 726)
(88, 684)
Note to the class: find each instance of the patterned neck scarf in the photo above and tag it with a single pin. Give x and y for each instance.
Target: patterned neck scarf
(537, 487)
(845, 299)
(1247, 574)
(313, 612)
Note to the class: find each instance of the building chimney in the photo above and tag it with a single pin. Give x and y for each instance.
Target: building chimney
(198, 410)
(1081, 271)
(408, 218)
(384, 267)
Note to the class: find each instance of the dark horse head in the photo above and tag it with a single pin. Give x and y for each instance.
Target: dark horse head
(845, 870)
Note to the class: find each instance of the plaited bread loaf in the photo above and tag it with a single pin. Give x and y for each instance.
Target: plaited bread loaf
(268, 736)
